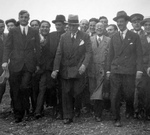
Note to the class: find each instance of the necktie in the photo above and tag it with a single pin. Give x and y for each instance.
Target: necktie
(24, 33)
(121, 34)
(73, 38)
(99, 41)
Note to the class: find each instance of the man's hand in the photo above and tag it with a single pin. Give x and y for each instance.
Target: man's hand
(82, 69)
(107, 75)
(5, 66)
(139, 74)
(148, 71)
(54, 74)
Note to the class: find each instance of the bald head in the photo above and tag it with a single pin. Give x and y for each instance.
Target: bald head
(84, 24)
(100, 28)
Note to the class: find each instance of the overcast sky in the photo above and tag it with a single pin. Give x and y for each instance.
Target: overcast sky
(85, 9)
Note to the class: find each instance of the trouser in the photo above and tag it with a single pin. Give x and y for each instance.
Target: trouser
(127, 82)
(20, 91)
(2, 90)
(98, 108)
(71, 89)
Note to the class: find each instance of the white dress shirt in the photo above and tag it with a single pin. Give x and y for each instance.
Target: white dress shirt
(26, 29)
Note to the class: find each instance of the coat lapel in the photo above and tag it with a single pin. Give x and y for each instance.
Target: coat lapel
(125, 42)
(20, 35)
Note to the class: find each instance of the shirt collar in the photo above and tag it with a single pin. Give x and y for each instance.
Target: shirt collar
(124, 32)
(101, 37)
(75, 34)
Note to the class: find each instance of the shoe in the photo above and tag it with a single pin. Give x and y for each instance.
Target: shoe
(18, 120)
(117, 123)
(67, 121)
(98, 119)
(38, 115)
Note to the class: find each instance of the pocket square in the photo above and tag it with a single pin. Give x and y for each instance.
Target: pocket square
(131, 43)
(81, 42)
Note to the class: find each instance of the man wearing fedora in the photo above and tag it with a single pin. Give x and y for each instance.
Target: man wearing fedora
(22, 47)
(71, 60)
(54, 91)
(124, 66)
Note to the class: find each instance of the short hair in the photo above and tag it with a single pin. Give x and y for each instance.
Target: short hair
(1, 21)
(17, 23)
(45, 22)
(115, 26)
(94, 19)
(10, 20)
(102, 17)
(23, 12)
(36, 21)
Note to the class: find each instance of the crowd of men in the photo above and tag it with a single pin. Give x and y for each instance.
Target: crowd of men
(89, 65)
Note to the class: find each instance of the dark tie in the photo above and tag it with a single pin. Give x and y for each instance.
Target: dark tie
(99, 41)
(24, 33)
(121, 35)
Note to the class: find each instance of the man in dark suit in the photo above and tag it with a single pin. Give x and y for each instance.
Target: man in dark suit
(124, 66)
(2, 42)
(23, 50)
(54, 88)
(72, 58)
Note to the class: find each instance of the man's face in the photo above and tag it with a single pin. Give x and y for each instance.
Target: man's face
(73, 28)
(122, 23)
(110, 30)
(10, 26)
(147, 27)
(100, 28)
(35, 25)
(44, 28)
(92, 26)
(84, 25)
(2, 27)
(104, 21)
(59, 26)
(136, 25)
(23, 19)
(67, 28)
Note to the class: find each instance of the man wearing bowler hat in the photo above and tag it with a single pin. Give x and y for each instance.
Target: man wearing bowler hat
(71, 60)
(54, 89)
(124, 66)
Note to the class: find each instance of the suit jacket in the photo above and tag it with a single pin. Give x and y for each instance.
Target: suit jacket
(70, 56)
(2, 42)
(49, 50)
(99, 54)
(146, 51)
(125, 57)
(22, 52)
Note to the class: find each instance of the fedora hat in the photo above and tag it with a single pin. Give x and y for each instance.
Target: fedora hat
(73, 19)
(136, 16)
(4, 76)
(60, 18)
(122, 14)
(145, 20)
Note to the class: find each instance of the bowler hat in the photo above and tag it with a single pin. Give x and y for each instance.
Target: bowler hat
(122, 14)
(136, 16)
(73, 19)
(60, 18)
(145, 20)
